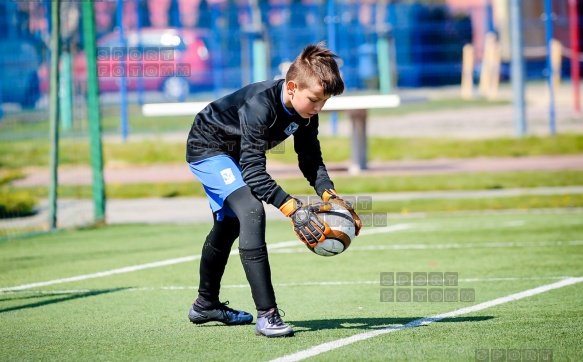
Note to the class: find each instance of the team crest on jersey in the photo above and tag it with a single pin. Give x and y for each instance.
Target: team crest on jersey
(228, 176)
(291, 128)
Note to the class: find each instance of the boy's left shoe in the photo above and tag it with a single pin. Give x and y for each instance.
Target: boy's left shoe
(219, 313)
(270, 324)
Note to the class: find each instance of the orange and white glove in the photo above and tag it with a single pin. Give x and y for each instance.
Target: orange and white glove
(330, 195)
(308, 226)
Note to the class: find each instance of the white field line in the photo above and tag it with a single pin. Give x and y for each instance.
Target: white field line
(329, 346)
(128, 269)
(107, 273)
(279, 285)
(123, 270)
(508, 244)
(292, 247)
(461, 226)
(386, 229)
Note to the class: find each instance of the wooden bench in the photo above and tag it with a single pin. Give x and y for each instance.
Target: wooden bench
(356, 107)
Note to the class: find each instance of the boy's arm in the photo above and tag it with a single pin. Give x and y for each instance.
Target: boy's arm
(254, 145)
(310, 160)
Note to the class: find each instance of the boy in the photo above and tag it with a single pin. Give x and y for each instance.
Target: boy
(226, 150)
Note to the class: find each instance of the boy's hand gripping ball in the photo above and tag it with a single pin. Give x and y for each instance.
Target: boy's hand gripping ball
(327, 229)
(331, 196)
(308, 226)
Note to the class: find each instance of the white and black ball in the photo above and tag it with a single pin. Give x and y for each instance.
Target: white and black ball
(343, 231)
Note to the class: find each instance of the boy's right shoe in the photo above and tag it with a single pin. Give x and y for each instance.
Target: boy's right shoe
(271, 325)
(219, 313)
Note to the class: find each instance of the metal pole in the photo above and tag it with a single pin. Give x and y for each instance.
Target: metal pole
(1, 111)
(216, 49)
(548, 17)
(139, 31)
(54, 113)
(331, 27)
(93, 112)
(258, 44)
(66, 92)
(489, 16)
(517, 67)
(383, 56)
(123, 86)
(575, 69)
(331, 30)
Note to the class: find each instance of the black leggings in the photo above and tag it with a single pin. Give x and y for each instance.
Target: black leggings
(249, 226)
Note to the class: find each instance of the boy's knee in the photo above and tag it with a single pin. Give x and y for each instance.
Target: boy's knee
(253, 255)
(252, 206)
(214, 254)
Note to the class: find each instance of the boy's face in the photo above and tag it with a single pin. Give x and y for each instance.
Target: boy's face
(307, 102)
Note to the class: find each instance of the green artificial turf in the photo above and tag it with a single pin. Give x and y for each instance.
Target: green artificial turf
(111, 313)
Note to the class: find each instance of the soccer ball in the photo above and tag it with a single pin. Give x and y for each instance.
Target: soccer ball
(343, 230)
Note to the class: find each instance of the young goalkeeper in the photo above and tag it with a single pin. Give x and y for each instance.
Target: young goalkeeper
(226, 150)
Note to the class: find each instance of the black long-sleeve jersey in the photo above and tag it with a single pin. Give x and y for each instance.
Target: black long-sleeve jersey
(247, 124)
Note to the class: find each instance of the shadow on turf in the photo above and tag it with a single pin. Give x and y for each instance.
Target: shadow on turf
(370, 323)
(72, 296)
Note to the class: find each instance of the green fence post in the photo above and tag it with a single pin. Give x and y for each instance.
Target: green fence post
(93, 112)
(54, 113)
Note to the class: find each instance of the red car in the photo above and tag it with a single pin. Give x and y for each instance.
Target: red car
(173, 61)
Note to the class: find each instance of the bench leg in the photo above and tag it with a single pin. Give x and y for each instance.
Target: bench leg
(359, 153)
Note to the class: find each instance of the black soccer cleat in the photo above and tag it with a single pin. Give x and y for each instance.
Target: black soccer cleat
(219, 313)
(271, 325)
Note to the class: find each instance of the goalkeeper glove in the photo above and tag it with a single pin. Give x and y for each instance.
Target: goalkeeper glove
(308, 226)
(330, 195)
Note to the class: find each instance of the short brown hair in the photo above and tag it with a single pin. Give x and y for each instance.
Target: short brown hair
(316, 66)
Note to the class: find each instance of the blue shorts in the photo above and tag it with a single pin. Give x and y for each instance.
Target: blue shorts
(220, 176)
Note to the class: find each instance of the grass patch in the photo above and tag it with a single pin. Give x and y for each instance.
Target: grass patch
(18, 154)
(392, 149)
(7, 176)
(433, 105)
(34, 124)
(16, 203)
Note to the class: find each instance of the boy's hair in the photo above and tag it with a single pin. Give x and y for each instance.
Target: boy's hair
(316, 66)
